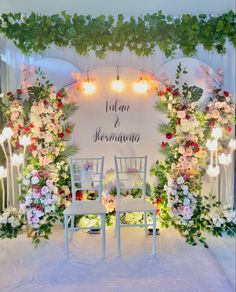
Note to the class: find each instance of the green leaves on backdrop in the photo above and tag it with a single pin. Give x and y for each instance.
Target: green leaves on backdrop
(35, 33)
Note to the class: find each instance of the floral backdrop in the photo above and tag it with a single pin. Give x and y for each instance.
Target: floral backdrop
(37, 111)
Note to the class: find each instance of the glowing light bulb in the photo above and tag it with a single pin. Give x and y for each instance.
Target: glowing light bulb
(89, 87)
(118, 85)
(141, 86)
(213, 171)
(216, 133)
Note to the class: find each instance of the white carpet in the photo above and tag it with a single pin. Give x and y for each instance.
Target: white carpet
(177, 267)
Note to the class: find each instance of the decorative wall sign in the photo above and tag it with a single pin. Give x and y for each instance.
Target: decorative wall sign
(110, 123)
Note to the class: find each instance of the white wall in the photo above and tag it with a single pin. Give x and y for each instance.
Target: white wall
(113, 7)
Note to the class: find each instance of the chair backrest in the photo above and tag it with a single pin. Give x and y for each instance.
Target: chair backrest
(86, 174)
(131, 172)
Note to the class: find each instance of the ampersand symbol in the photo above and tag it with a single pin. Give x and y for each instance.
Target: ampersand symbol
(117, 122)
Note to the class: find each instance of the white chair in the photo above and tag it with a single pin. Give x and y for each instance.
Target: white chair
(126, 168)
(86, 174)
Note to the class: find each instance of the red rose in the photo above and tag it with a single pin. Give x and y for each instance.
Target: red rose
(178, 121)
(160, 93)
(60, 105)
(226, 93)
(229, 129)
(176, 92)
(168, 88)
(68, 130)
(211, 123)
(169, 135)
(61, 135)
(20, 127)
(163, 145)
(59, 95)
(27, 130)
(19, 91)
(32, 147)
(79, 196)
(9, 93)
(45, 102)
(31, 125)
(18, 145)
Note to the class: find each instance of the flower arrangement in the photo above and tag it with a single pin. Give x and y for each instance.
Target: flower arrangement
(179, 176)
(11, 222)
(40, 198)
(38, 112)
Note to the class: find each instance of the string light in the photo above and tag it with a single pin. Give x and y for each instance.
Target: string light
(117, 84)
(88, 86)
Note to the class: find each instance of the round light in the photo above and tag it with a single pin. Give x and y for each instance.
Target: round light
(216, 133)
(24, 140)
(17, 159)
(7, 133)
(141, 86)
(118, 85)
(89, 87)
(213, 171)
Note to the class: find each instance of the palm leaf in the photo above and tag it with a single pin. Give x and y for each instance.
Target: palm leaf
(196, 93)
(165, 128)
(69, 151)
(69, 108)
(161, 107)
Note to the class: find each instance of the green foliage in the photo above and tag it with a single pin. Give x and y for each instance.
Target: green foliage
(35, 32)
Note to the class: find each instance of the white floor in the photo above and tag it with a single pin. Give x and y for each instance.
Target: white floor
(177, 267)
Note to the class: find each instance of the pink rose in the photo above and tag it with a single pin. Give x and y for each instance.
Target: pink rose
(181, 114)
(44, 190)
(23, 207)
(49, 183)
(36, 195)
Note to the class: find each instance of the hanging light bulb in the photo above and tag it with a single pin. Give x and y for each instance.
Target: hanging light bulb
(141, 86)
(117, 85)
(88, 86)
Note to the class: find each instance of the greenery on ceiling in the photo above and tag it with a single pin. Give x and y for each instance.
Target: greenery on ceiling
(35, 32)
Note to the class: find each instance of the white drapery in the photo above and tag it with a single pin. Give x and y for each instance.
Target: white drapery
(12, 59)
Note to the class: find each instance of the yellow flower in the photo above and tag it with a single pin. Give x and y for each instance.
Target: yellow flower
(201, 154)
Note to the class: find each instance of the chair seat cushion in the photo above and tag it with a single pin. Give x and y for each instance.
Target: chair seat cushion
(134, 205)
(85, 207)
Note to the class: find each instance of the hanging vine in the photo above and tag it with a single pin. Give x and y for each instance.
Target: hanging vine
(35, 32)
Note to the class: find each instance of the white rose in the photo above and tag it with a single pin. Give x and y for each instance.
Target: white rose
(26, 182)
(34, 180)
(180, 180)
(186, 202)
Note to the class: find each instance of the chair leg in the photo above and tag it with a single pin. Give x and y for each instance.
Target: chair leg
(72, 222)
(145, 222)
(103, 225)
(118, 231)
(154, 234)
(66, 237)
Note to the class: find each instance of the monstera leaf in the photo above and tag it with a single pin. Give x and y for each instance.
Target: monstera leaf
(196, 93)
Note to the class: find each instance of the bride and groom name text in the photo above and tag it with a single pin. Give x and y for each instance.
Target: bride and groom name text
(121, 137)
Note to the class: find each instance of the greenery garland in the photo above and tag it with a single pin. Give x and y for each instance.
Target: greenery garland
(35, 33)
